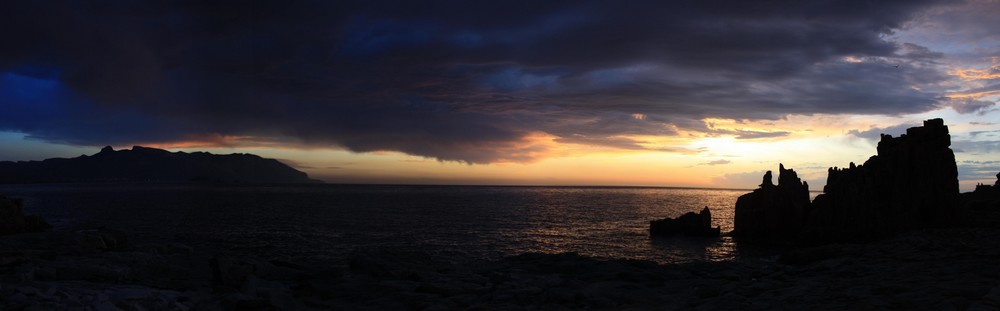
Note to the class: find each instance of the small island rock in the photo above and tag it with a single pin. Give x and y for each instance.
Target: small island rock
(689, 224)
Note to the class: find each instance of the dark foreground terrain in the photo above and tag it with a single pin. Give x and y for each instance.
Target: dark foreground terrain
(97, 270)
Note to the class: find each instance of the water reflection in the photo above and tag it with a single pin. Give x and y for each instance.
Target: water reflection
(682, 248)
(330, 220)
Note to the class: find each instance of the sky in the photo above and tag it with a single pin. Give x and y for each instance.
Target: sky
(627, 93)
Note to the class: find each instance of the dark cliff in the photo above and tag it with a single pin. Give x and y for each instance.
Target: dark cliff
(150, 164)
(911, 183)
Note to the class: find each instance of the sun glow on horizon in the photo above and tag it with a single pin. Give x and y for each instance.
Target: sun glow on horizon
(716, 158)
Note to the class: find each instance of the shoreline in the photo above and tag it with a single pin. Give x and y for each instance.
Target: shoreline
(927, 269)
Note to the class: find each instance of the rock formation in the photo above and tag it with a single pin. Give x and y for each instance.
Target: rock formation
(150, 164)
(982, 204)
(988, 190)
(13, 220)
(689, 224)
(773, 211)
(911, 183)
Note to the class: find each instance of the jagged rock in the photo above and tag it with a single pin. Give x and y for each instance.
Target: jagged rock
(102, 239)
(230, 272)
(689, 224)
(983, 190)
(260, 284)
(773, 211)
(911, 183)
(981, 206)
(13, 220)
(767, 180)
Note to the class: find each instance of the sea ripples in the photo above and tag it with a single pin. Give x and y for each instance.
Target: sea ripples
(330, 221)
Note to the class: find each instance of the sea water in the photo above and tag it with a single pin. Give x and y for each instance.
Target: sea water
(329, 222)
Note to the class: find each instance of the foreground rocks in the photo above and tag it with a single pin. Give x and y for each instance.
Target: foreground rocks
(95, 269)
(13, 220)
(689, 224)
(912, 183)
(53, 270)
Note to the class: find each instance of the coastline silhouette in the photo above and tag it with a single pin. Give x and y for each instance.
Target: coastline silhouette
(143, 164)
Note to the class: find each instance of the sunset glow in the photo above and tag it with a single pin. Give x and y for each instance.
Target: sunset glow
(712, 99)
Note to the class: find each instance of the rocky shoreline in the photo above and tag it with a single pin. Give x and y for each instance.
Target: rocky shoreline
(82, 270)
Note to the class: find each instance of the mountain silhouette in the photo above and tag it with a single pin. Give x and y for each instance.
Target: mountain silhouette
(142, 164)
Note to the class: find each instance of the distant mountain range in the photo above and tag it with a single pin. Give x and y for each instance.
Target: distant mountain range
(142, 164)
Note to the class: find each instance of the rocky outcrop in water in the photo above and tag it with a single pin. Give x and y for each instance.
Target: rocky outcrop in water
(142, 164)
(689, 224)
(773, 211)
(911, 183)
(13, 220)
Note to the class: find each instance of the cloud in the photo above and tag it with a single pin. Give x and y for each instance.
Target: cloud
(978, 170)
(743, 180)
(975, 147)
(969, 105)
(716, 162)
(454, 81)
(741, 134)
(974, 134)
(875, 133)
(966, 27)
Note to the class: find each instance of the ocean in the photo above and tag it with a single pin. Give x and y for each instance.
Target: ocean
(329, 222)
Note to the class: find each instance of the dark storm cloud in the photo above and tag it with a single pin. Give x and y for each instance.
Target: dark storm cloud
(453, 80)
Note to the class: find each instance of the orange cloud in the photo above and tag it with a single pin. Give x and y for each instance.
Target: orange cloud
(977, 74)
(973, 95)
(214, 140)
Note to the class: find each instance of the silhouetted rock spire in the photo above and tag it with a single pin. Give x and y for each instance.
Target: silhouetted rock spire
(773, 211)
(767, 180)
